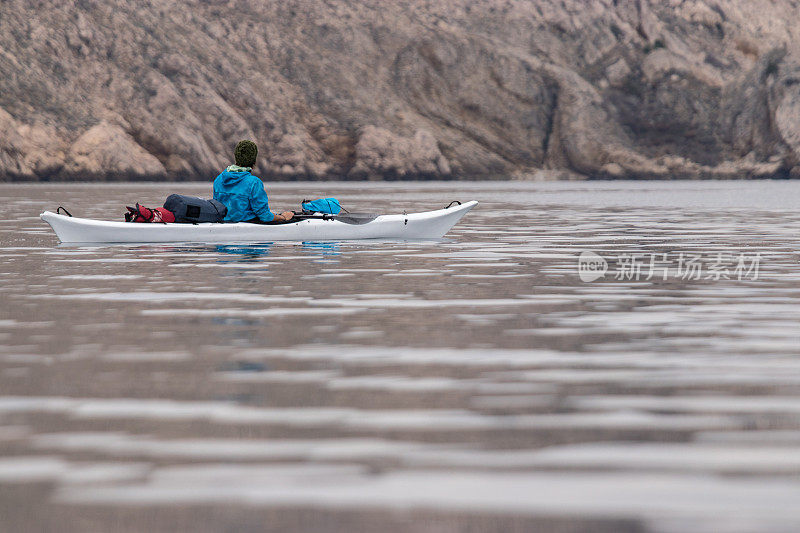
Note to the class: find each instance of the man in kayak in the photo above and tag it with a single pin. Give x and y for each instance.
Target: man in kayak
(242, 193)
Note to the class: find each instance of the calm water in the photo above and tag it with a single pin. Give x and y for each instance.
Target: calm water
(474, 383)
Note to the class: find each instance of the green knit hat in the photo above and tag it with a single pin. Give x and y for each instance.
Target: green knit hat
(245, 153)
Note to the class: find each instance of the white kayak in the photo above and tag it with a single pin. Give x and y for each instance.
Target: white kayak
(426, 225)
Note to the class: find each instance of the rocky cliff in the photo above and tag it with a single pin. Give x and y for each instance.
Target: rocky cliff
(119, 89)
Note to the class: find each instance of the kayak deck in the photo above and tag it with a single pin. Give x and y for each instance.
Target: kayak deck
(425, 225)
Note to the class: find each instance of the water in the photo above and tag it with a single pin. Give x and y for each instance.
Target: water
(470, 383)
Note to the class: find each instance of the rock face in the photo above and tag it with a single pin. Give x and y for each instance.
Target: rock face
(106, 148)
(380, 154)
(409, 89)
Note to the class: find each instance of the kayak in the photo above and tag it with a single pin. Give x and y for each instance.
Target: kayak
(425, 225)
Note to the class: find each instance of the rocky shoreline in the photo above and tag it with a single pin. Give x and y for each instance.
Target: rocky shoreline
(614, 89)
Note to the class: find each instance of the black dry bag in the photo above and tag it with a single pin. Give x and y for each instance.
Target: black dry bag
(191, 209)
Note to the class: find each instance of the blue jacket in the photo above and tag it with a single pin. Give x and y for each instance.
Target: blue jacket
(244, 196)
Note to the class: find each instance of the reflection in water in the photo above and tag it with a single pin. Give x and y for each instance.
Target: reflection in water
(245, 251)
(324, 248)
(346, 385)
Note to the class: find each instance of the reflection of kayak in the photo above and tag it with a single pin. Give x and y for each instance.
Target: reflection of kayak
(427, 225)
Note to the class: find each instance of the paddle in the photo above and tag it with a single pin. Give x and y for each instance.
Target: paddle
(347, 218)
